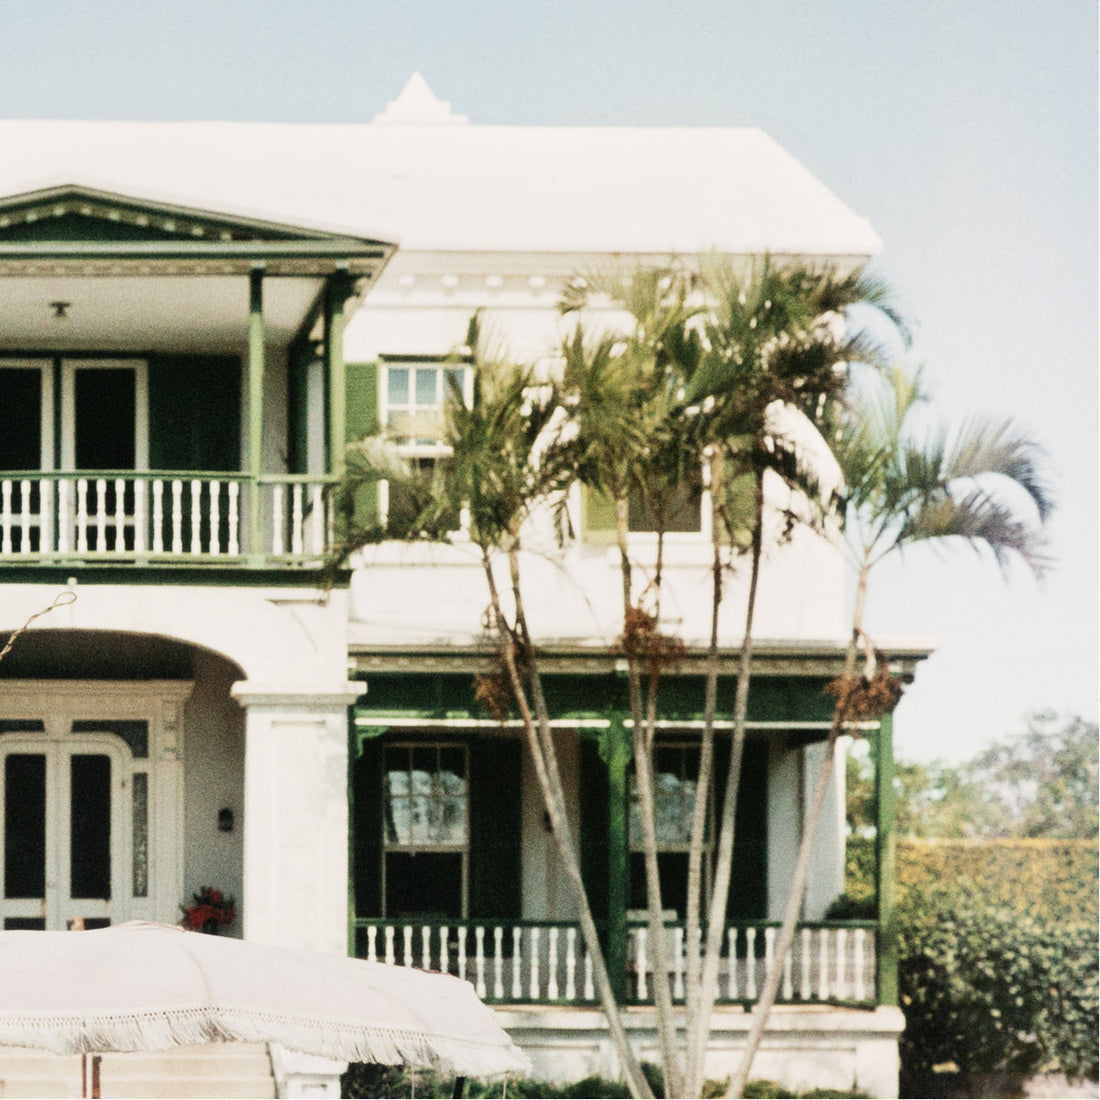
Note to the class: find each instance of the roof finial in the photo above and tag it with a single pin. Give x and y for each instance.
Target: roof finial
(417, 104)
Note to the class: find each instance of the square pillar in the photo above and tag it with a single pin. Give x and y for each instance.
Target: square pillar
(296, 815)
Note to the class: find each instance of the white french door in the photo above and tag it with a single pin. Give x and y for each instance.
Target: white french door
(67, 838)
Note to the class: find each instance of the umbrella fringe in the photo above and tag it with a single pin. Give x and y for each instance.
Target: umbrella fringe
(162, 1030)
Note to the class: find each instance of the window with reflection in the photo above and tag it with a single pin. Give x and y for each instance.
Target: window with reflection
(675, 781)
(425, 830)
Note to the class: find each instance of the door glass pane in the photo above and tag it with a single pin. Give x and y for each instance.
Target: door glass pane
(141, 834)
(25, 825)
(24, 924)
(106, 404)
(21, 400)
(90, 826)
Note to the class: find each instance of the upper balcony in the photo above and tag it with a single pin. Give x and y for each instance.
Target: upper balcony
(172, 381)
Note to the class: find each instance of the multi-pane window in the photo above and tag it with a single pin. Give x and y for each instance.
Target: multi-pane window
(675, 780)
(425, 830)
(415, 397)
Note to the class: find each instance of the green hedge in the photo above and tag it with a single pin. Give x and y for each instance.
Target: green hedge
(988, 991)
(1051, 880)
(998, 956)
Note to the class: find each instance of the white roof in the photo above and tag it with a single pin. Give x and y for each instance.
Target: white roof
(422, 177)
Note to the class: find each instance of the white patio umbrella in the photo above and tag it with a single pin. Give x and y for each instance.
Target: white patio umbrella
(146, 986)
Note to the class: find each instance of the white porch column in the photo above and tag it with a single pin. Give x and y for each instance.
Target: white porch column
(296, 815)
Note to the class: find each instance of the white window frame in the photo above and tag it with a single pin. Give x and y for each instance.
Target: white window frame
(69, 367)
(461, 849)
(417, 449)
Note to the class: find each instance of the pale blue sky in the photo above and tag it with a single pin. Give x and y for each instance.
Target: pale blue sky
(966, 133)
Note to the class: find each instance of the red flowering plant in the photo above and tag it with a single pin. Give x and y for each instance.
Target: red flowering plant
(208, 909)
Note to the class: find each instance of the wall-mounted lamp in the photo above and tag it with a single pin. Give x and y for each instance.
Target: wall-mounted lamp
(225, 820)
(60, 309)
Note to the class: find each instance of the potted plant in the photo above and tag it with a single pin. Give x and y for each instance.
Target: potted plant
(207, 910)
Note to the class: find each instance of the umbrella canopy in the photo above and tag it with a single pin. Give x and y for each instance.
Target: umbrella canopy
(151, 987)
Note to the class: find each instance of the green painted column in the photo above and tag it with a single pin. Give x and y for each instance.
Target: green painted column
(337, 289)
(255, 407)
(616, 750)
(886, 863)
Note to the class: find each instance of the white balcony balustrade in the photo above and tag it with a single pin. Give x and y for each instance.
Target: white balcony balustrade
(163, 518)
(536, 963)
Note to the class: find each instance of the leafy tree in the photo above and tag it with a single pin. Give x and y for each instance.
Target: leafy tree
(1041, 783)
(905, 487)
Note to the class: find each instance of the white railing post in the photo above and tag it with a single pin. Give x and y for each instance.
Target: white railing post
(479, 959)
(177, 516)
(733, 988)
(5, 517)
(65, 515)
(214, 492)
(444, 958)
(640, 963)
(196, 516)
(750, 963)
(823, 965)
(570, 964)
(552, 963)
(840, 986)
(158, 516)
(317, 506)
(498, 963)
(426, 946)
(391, 956)
(805, 991)
(407, 944)
(534, 932)
(82, 515)
(101, 514)
(589, 981)
(462, 952)
(234, 542)
(517, 967)
(139, 515)
(859, 973)
(120, 515)
(372, 938)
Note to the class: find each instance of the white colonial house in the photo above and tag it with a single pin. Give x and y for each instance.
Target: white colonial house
(194, 319)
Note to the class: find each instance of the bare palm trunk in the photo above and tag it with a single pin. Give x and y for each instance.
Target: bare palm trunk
(694, 1056)
(541, 748)
(644, 723)
(723, 869)
(770, 991)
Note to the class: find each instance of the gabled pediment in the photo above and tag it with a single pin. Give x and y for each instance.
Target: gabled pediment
(74, 229)
(74, 213)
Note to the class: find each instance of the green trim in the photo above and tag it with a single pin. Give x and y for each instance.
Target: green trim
(221, 575)
(886, 863)
(616, 751)
(45, 205)
(337, 290)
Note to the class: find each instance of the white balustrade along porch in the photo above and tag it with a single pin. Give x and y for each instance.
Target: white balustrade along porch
(164, 517)
(533, 962)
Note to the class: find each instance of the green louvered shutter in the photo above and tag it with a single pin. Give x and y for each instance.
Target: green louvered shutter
(366, 825)
(594, 827)
(195, 413)
(362, 420)
(496, 824)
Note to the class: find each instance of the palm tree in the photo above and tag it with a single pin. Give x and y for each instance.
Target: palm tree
(903, 488)
(509, 455)
(622, 390)
(775, 337)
